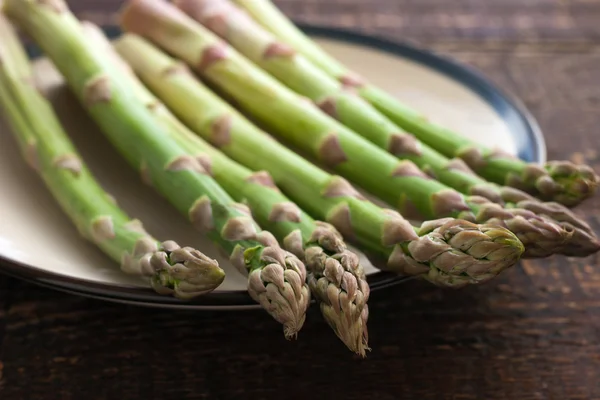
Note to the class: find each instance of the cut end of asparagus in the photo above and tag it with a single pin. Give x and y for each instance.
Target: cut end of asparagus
(278, 284)
(183, 272)
(455, 253)
(338, 282)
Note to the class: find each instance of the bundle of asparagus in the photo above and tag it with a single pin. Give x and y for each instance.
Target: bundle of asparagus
(399, 183)
(335, 275)
(560, 181)
(181, 271)
(276, 278)
(340, 286)
(446, 252)
(305, 78)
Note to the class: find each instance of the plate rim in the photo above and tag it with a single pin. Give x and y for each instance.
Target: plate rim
(501, 100)
(240, 300)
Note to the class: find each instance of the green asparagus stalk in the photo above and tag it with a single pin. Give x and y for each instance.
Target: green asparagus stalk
(181, 271)
(297, 72)
(560, 181)
(335, 276)
(276, 278)
(445, 252)
(398, 182)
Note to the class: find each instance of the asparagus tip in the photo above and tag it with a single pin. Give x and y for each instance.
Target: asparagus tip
(352, 331)
(290, 330)
(339, 284)
(569, 183)
(541, 235)
(581, 244)
(459, 253)
(280, 287)
(183, 271)
(564, 182)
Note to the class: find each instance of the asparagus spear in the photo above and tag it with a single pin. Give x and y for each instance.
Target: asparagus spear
(447, 253)
(335, 276)
(560, 181)
(399, 183)
(171, 269)
(301, 75)
(276, 278)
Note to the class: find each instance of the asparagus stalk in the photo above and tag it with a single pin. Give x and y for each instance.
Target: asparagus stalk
(181, 271)
(276, 278)
(301, 75)
(559, 181)
(335, 276)
(399, 183)
(447, 253)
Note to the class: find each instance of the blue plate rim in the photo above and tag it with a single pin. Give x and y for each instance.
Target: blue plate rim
(229, 300)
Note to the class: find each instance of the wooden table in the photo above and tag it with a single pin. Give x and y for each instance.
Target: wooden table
(532, 334)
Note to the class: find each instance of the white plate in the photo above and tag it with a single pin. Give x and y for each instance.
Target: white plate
(38, 243)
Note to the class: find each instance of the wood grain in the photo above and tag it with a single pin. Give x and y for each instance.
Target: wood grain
(532, 334)
(436, 21)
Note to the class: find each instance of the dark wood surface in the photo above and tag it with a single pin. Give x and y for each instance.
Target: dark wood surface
(532, 334)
